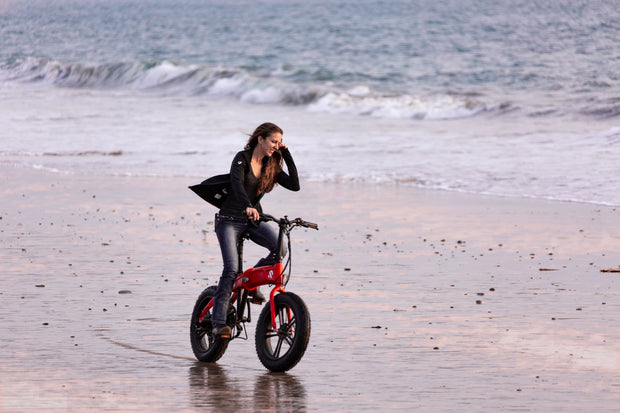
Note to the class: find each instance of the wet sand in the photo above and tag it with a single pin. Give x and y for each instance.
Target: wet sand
(420, 300)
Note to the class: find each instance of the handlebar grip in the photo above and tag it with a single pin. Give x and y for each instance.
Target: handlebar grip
(311, 225)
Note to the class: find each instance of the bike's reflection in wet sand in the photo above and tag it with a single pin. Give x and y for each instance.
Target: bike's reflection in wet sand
(212, 387)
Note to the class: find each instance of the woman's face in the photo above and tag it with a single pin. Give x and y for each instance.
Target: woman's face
(270, 144)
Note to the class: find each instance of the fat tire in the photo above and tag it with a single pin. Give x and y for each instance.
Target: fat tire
(281, 350)
(204, 346)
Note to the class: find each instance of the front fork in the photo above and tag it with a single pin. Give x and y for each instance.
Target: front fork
(272, 305)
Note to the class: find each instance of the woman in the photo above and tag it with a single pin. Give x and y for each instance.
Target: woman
(254, 172)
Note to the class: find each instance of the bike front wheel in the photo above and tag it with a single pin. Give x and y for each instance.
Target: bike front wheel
(280, 349)
(205, 347)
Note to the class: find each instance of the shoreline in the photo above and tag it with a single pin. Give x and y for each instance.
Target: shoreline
(193, 179)
(450, 300)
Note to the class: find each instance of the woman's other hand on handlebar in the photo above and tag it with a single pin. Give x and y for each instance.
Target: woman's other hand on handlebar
(252, 213)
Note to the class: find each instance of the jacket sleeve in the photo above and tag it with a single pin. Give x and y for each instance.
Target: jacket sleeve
(291, 180)
(237, 181)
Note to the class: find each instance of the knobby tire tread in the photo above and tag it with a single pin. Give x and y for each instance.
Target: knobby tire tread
(212, 350)
(297, 344)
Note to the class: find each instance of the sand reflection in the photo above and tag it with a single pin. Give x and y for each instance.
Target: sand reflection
(212, 386)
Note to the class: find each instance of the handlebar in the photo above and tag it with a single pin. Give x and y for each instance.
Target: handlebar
(297, 222)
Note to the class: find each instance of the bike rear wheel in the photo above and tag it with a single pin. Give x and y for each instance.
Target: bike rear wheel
(281, 349)
(205, 347)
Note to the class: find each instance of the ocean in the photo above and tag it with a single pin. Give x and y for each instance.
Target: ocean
(511, 98)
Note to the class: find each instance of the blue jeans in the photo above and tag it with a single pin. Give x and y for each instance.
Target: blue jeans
(229, 231)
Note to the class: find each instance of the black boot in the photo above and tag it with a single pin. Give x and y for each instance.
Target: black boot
(256, 297)
(268, 260)
(222, 331)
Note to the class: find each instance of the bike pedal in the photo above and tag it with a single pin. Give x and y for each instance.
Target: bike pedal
(223, 331)
(225, 336)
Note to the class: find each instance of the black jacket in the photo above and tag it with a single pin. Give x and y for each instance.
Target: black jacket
(239, 199)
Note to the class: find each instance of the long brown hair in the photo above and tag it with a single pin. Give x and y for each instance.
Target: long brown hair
(272, 166)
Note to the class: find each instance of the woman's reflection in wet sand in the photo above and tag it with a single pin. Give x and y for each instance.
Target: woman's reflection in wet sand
(212, 387)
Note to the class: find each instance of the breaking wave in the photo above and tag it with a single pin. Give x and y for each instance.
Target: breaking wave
(280, 87)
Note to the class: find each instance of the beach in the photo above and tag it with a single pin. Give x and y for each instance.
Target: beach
(420, 299)
(460, 159)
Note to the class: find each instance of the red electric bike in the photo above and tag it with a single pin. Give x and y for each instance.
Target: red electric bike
(283, 327)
